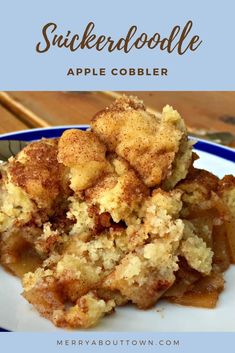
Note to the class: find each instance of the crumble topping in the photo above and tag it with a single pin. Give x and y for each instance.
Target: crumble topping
(116, 214)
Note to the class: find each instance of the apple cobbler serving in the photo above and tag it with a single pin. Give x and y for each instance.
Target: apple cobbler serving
(113, 215)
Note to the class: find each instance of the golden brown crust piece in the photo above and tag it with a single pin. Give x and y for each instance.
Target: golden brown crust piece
(148, 143)
(226, 190)
(45, 296)
(119, 193)
(84, 155)
(227, 182)
(202, 178)
(199, 193)
(78, 147)
(37, 171)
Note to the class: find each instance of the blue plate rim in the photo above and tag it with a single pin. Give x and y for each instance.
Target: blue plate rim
(49, 128)
(200, 144)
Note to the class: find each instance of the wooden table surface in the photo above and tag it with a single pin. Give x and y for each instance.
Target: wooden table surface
(210, 111)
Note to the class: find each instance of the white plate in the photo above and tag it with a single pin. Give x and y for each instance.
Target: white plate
(16, 314)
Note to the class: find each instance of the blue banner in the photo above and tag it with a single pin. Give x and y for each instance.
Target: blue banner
(117, 342)
(122, 45)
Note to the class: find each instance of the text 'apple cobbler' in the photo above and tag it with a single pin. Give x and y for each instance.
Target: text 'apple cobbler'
(114, 215)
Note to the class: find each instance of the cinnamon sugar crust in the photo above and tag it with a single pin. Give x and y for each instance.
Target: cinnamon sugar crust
(150, 144)
(36, 171)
